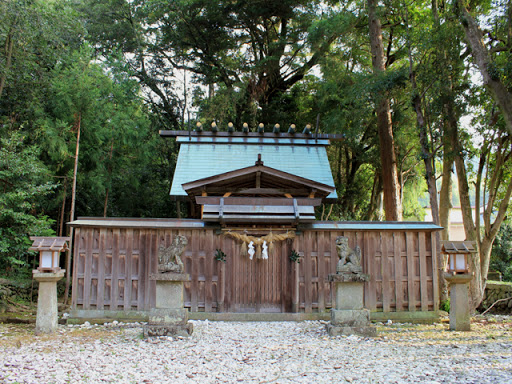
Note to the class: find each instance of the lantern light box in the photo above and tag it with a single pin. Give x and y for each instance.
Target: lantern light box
(49, 249)
(458, 252)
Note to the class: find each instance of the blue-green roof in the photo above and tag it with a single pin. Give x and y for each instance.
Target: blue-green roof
(200, 160)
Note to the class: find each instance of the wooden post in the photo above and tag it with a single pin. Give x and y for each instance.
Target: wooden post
(296, 282)
(222, 288)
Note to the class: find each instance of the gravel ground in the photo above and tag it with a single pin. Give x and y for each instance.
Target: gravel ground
(252, 352)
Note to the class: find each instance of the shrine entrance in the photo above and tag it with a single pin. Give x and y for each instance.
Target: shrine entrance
(259, 285)
(258, 209)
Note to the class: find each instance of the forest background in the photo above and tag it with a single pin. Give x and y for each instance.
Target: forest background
(421, 90)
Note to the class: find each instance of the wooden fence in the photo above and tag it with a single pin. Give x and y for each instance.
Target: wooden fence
(113, 259)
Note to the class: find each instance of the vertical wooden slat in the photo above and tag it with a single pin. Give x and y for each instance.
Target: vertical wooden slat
(228, 273)
(128, 270)
(308, 299)
(209, 271)
(286, 288)
(296, 280)
(195, 271)
(141, 285)
(386, 270)
(334, 262)
(410, 271)
(150, 240)
(87, 271)
(153, 268)
(321, 271)
(76, 252)
(101, 270)
(435, 270)
(115, 269)
(367, 268)
(221, 288)
(243, 296)
(423, 271)
(397, 254)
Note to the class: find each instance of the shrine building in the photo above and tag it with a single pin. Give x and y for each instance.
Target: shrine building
(252, 198)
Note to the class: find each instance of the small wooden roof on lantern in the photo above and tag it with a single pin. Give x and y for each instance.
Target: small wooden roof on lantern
(458, 247)
(54, 244)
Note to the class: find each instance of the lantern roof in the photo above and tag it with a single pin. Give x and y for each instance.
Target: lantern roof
(458, 246)
(43, 243)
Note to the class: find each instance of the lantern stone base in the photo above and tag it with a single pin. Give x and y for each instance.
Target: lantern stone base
(152, 330)
(460, 318)
(47, 312)
(349, 317)
(350, 322)
(169, 318)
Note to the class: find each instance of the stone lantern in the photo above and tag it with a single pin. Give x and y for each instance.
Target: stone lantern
(459, 276)
(47, 275)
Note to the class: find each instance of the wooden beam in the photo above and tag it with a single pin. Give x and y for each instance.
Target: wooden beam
(319, 136)
(288, 196)
(258, 179)
(261, 201)
(299, 192)
(274, 174)
(227, 194)
(312, 193)
(204, 194)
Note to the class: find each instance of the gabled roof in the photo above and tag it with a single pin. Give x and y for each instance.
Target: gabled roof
(204, 157)
(258, 180)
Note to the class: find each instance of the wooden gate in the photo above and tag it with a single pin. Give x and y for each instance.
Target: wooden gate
(257, 285)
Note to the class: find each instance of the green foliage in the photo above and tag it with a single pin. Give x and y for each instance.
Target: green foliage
(219, 255)
(34, 34)
(501, 256)
(23, 182)
(294, 256)
(445, 305)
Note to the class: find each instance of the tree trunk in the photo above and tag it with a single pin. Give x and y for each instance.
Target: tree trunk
(430, 173)
(446, 194)
(63, 208)
(391, 186)
(483, 61)
(72, 210)
(9, 47)
(375, 209)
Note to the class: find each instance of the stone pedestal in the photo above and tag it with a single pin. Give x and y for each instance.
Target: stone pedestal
(460, 318)
(349, 317)
(169, 317)
(47, 313)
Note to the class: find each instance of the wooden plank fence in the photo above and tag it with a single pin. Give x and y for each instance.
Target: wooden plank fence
(113, 259)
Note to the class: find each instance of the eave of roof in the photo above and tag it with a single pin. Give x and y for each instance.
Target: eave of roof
(327, 189)
(371, 225)
(196, 162)
(113, 222)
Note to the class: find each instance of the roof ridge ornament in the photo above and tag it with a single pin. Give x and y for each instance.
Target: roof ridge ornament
(259, 162)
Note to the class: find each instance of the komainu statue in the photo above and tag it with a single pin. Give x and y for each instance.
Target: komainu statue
(350, 259)
(169, 259)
